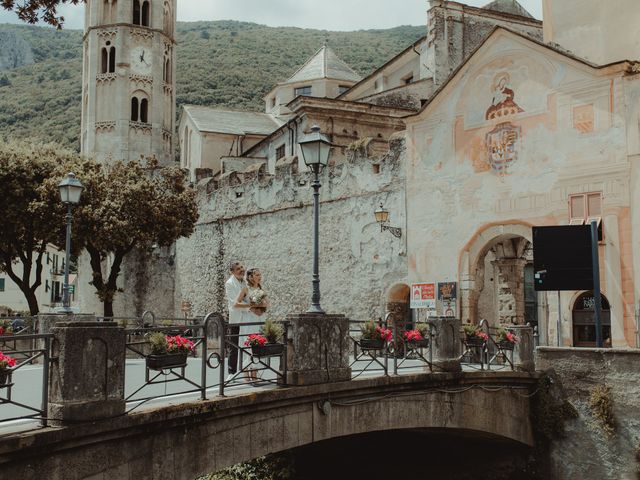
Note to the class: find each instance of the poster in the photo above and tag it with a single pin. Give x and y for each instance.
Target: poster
(447, 299)
(423, 295)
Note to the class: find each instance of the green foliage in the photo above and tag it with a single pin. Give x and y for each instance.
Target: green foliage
(550, 409)
(271, 467)
(272, 331)
(368, 329)
(158, 343)
(601, 404)
(31, 213)
(469, 329)
(224, 64)
(423, 328)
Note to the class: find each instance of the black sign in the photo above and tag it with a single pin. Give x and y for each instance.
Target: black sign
(562, 258)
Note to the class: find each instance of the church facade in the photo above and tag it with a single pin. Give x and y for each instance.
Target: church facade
(490, 124)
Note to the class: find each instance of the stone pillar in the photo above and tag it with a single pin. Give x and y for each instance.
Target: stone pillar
(524, 350)
(399, 313)
(446, 343)
(318, 349)
(510, 273)
(87, 371)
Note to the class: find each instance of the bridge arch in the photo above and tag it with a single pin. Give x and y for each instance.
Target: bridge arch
(203, 437)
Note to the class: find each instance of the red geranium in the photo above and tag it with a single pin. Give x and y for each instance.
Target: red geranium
(255, 340)
(413, 336)
(6, 362)
(179, 344)
(384, 334)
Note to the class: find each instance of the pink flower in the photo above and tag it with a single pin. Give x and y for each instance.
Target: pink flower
(6, 362)
(413, 336)
(255, 339)
(482, 335)
(511, 337)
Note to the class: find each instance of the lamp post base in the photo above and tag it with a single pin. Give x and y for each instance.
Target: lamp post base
(318, 350)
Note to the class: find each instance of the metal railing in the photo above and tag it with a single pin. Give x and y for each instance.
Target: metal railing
(486, 353)
(26, 349)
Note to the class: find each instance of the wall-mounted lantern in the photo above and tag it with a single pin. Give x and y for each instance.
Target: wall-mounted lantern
(382, 217)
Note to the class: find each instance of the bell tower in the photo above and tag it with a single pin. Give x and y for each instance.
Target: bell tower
(128, 88)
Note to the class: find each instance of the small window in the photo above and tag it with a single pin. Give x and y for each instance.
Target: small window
(144, 110)
(136, 12)
(1, 284)
(134, 109)
(280, 152)
(105, 61)
(145, 14)
(273, 102)
(408, 80)
(112, 60)
(343, 88)
(585, 208)
(303, 91)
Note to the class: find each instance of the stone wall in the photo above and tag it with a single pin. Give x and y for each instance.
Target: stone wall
(265, 221)
(587, 451)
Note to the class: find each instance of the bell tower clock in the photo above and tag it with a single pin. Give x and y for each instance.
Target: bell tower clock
(128, 90)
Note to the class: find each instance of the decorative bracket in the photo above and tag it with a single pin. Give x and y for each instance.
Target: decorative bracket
(395, 231)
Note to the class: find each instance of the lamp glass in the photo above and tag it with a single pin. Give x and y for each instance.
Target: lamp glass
(315, 148)
(70, 190)
(382, 215)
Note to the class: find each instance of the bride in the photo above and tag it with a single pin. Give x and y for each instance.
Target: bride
(253, 298)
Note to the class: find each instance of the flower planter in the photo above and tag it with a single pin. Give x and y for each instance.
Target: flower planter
(5, 378)
(474, 341)
(506, 345)
(371, 344)
(267, 350)
(414, 344)
(163, 362)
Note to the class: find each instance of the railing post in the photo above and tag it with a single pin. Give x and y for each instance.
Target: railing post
(87, 370)
(45, 380)
(396, 350)
(222, 332)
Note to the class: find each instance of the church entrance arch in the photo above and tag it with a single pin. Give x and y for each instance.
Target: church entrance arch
(493, 276)
(584, 322)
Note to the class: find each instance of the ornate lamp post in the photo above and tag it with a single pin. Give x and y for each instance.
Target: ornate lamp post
(70, 190)
(315, 152)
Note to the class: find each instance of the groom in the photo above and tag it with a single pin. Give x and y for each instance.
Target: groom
(232, 288)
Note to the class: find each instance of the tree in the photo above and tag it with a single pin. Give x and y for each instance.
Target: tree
(32, 11)
(29, 219)
(127, 206)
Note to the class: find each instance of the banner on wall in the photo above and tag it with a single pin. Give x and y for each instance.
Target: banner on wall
(447, 299)
(423, 295)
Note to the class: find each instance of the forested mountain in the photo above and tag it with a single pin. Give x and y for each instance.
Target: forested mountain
(224, 63)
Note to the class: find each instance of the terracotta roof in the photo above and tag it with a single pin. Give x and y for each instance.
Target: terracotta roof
(508, 6)
(324, 64)
(209, 119)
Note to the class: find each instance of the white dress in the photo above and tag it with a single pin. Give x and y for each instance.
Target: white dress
(246, 330)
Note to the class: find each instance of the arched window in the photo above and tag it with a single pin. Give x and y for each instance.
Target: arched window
(112, 60)
(145, 14)
(167, 19)
(136, 12)
(166, 75)
(109, 11)
(144, 110)
(105, 61)
(135, 115)
(584, 323)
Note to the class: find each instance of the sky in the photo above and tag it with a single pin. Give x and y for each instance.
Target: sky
(343, 15)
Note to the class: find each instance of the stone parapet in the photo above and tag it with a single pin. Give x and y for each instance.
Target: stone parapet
(318, 349)
(523, 351)
(87, 371)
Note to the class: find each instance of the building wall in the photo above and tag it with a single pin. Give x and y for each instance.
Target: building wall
(598, 31)
(566, 134)
(269, 227)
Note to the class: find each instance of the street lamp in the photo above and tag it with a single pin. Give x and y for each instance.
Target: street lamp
(315, 152)
(382, 217)
(70, 190)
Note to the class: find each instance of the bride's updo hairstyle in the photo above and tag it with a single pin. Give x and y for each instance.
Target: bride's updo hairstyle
(249, 279)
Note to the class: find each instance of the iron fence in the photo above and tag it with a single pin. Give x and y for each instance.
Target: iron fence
(486, 352)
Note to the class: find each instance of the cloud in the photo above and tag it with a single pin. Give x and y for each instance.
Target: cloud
(323, 15)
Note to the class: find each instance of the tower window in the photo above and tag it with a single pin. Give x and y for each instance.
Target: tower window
(305, 91)
(108, 63)
(144, 110)
(145, 14)
(134, 109)
(167, 19)
(166, 77)
(136, 12)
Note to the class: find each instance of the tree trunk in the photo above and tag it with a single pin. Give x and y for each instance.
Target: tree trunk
(32, 301)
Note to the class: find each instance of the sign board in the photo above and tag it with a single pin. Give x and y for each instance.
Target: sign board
(72, 289)
(562, 258)
(447, 299)
(423, 295)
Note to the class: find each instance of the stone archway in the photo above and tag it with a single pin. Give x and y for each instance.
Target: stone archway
(492, 274)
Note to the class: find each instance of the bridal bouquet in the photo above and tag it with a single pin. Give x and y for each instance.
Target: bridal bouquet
(257, 296)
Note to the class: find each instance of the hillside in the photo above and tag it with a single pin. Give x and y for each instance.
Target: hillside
(225, 63)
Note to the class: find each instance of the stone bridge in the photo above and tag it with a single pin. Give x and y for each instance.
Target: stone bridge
(188, 440)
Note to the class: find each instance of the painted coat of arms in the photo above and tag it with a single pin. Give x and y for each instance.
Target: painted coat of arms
(503, 143)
